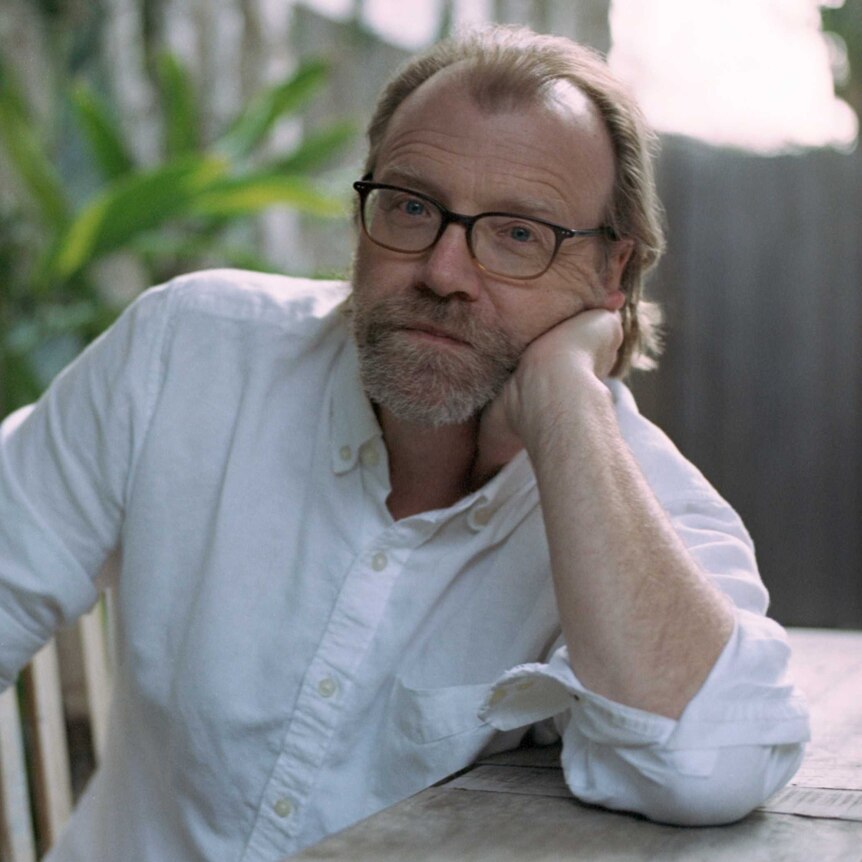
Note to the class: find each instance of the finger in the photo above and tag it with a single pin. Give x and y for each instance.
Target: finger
(601, 335)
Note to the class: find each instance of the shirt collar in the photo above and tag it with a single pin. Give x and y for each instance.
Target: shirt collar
(352, 419)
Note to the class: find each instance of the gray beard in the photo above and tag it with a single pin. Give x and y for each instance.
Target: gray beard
(425, 384)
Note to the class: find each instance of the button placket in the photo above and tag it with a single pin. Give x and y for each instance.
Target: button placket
(358, 611)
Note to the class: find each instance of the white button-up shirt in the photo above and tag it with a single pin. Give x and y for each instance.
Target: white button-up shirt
(289, 658)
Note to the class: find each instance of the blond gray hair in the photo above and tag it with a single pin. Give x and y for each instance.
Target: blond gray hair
(504, 67)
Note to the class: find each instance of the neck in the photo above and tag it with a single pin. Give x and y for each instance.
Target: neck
(429, 468)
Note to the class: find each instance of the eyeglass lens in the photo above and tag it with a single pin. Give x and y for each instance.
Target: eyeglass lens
(505, 245)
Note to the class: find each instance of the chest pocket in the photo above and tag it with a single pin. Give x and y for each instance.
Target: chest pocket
(427, 715)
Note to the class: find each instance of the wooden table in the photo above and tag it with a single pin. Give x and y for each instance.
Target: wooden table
(522, 813)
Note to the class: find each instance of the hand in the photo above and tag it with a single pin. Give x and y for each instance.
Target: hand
(556, 365)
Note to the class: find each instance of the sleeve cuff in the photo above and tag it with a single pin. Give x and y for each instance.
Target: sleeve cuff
(531, 693)
(746, 700)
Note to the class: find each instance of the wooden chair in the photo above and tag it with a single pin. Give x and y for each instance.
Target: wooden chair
(35, 778)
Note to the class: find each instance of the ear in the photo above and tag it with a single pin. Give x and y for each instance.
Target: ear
(618, 257)
(621, 251)
(614, 300)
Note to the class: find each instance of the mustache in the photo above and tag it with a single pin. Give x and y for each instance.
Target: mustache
(455, 318)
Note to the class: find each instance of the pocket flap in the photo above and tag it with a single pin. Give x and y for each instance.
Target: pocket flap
(430, 714)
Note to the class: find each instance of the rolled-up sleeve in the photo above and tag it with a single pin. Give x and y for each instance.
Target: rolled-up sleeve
(737, 742)
(65, 466)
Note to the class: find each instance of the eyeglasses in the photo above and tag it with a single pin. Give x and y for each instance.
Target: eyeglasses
(505, 244)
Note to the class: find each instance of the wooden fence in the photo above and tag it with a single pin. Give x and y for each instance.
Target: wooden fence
(761, 385)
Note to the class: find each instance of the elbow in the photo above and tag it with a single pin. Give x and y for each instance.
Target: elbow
(690, 788)
(743, 778)
(698, 802)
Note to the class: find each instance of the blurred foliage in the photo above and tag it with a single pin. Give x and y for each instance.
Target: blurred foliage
(161, 218)
(845, 21)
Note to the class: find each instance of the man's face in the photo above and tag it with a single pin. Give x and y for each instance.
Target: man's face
(438, 336)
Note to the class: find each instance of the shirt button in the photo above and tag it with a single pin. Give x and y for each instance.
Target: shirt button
(283, 807)
(327, 686)
(482, 516)
(379, 561)
(369, 456)
(345, 452)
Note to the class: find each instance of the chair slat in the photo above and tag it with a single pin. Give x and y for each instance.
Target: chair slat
(17, 842)
(35, 775)
(92, 628)
(50, 772)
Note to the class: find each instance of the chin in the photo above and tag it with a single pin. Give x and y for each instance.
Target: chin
(426, 403)
(439, 416)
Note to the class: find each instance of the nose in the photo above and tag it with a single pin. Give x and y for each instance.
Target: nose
(449, 269)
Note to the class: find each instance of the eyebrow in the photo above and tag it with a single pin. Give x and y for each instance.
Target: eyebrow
(407, 175)
(515, 204)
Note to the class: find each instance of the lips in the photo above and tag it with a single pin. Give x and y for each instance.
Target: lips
(436, 332)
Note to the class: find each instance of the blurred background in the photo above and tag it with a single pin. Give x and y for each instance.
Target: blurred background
(144, 138)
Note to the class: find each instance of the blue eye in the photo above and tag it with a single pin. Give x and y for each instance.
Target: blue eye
(414, 207)
(519, 233)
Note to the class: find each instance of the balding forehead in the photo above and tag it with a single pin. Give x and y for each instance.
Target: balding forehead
(494, 91)
(496, 87)
(566, 95)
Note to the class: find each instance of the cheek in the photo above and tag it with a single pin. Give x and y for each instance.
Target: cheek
(376, 273)
(363, 267)
(580, 272)
(532, 313)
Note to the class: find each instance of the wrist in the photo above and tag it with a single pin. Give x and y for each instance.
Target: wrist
(567, 406)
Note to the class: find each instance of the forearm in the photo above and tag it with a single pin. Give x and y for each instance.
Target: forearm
(642, 623)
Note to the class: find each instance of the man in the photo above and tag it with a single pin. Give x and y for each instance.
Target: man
(364, 541)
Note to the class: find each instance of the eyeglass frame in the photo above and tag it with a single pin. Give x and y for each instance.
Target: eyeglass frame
(365, 186)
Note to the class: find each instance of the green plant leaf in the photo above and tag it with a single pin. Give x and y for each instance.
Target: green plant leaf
(49, 320)
(28, 157)
(315, 149)
(19, 382)
(10, 90)
(179, 107)
(129, 207)
(252, 126)
(158, 247)
(102, 134)
(243, 195)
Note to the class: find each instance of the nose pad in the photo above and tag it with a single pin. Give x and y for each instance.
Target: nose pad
(450, 267)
